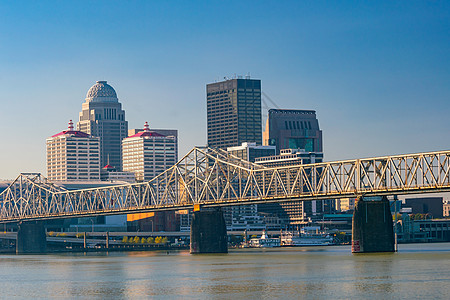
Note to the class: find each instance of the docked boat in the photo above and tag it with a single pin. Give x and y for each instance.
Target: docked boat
(308, 236)
(264, 242)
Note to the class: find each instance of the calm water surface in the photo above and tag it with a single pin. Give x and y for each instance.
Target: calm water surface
(417, 271)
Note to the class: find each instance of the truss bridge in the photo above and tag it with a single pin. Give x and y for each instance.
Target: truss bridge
(208, 177)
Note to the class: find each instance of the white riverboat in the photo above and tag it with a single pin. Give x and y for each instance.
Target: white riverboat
(308, 236)
(264, 242)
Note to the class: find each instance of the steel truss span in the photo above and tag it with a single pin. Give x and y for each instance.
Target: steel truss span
(211, 177)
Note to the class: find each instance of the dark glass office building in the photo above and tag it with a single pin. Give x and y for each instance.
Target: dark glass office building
(234, 112)
(293, 129)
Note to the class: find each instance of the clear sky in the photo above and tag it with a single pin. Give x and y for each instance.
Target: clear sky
(377, 73)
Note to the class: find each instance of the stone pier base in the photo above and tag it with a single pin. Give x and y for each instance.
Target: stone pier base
(372, 226)
(31, 238)
(208, 232)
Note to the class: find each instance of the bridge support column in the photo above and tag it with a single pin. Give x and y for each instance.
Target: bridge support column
(208, 232)
(31, 238)
(372, 226)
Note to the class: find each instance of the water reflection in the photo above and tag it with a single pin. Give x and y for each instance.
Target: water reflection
(373, 273)
(310, 273)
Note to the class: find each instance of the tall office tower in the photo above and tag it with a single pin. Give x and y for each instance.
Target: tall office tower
(73, 155)
(102, 116)
(293, 129)
(234, 112)
(148, 153)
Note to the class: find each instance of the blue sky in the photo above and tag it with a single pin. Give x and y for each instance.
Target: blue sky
(377, 73)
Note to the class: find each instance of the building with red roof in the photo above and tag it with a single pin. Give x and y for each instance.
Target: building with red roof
(73, 155)
(148, 153)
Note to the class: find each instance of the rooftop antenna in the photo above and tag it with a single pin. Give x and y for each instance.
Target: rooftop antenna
(70, 125)
(146, 127)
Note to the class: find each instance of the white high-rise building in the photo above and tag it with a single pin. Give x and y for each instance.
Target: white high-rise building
(73, 155)
(148, 153)
(102, 115)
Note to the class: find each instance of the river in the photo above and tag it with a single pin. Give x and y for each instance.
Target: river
(417, 271)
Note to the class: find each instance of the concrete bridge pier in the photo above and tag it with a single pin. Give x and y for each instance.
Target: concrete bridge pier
(208, 232)
(31, 237)
(372, 226)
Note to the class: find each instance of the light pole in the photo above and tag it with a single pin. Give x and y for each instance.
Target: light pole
(92, 221)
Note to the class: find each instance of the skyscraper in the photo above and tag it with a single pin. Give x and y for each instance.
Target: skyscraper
(73, 155)
(293, 129)
(234, 112)
(102, 115)
(148, 153)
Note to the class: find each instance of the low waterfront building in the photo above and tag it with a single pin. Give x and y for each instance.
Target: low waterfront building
(426, 205)
(73, 155)
(154, 221)
(416, 231)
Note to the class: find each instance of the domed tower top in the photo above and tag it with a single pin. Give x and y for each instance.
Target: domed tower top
(101, 92)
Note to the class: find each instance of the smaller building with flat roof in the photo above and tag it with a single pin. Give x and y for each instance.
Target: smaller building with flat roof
(251, 152)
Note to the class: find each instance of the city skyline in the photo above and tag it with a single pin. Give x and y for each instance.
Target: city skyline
(377, 75)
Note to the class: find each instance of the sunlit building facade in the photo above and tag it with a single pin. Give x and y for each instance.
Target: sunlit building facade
(102, 116)
(148, 153)
(73, 155)
(234, 112)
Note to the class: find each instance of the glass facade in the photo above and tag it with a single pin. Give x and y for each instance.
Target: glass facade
(234, 112)
(293, 129)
